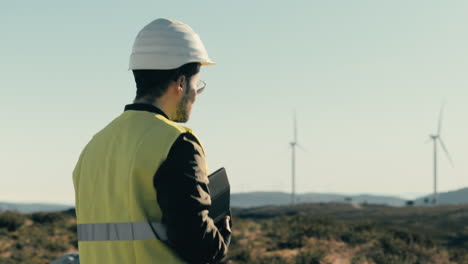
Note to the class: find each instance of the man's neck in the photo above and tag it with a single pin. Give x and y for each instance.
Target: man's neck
(156, 103)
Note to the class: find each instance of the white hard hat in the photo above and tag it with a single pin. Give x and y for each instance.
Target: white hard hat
(167, 44)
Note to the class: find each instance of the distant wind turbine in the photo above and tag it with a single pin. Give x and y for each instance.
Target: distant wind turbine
(437, 138)
(294, 144)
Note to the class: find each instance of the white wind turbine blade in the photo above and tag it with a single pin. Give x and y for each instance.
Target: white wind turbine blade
(439, 126)
(295, 135)
(445, 150)
(295, 128)
(302, 148)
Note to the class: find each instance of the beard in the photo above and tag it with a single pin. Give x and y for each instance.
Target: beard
(182, 111)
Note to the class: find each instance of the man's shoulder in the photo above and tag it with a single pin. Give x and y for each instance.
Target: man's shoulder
(189, 140)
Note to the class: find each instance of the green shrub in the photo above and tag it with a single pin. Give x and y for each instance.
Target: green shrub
(459, 255)
(73, 228)
(392, 249)
(410, 237)
(3, 233)
(311, 256)
(458, 240)
(240, 254)
(275, 259)
(73, 235)
(11, 220)
(293, 231)
(392, 246)
(47, 218)
(359, 259)
(55, 245)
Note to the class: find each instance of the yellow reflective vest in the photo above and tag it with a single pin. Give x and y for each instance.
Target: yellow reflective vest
(118, 216)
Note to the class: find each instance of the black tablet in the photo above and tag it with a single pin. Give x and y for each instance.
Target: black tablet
(220, 192)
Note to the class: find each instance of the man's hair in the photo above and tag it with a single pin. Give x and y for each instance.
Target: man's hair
(152, 84)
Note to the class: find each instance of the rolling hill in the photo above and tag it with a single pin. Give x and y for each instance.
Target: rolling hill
(32, 207)
(256, 199)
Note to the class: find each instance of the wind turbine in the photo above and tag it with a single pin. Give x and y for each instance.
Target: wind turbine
(294, 144)
(437, 138)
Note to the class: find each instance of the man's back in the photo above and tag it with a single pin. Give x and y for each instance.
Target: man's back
(114, 184)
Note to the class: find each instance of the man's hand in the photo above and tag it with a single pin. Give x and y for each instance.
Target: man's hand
(227, 225)
(226, 230)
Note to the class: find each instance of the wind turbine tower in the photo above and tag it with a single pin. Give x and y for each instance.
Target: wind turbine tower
(437, 138)
(294, 144)
(293, 162)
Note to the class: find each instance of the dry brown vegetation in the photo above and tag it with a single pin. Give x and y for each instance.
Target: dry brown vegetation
(347, 234)
(36, 238)
(307, 233)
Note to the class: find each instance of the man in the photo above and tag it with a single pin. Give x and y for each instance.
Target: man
(141, 182)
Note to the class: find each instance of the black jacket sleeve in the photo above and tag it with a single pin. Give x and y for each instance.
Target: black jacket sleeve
(181, 184)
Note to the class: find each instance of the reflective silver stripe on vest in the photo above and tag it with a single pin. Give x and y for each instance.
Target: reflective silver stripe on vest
(121, 231)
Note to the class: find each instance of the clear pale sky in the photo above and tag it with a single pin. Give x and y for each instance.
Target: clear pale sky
(367, 79)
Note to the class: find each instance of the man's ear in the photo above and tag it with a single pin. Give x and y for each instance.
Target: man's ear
(181, 83)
